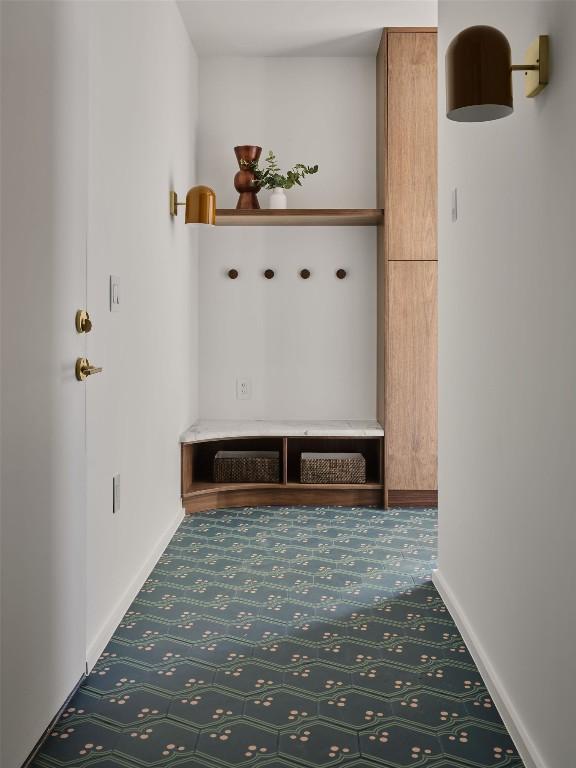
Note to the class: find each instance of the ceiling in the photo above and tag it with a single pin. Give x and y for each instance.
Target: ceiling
(298, 27)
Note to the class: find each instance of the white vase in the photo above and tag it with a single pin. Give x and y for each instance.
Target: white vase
(278, 198)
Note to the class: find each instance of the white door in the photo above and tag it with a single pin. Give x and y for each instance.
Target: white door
(43, 283)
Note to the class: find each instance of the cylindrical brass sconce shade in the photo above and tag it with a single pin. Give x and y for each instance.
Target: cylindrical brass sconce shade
(478, 76)
(200, 206)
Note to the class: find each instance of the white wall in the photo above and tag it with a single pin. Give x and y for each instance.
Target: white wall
(143, 110)
(309, 347)
(99, 120)
(507, 374)
(43, 241)
(307, 110)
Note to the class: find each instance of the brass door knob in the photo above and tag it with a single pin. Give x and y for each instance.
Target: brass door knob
(84, 369)
(83, 322)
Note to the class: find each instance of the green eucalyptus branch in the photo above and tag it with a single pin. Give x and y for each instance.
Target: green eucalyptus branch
(271, 176)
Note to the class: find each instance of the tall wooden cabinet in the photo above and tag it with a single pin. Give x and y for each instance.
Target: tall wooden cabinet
(407, 263)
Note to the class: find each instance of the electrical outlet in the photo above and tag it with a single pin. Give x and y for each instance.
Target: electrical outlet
(115, 494)
(243, 389)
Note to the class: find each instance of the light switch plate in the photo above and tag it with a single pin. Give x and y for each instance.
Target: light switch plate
(455, 205)
(114, 293)
(115, 494)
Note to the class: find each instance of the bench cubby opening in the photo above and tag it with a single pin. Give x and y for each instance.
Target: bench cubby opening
(201, 492)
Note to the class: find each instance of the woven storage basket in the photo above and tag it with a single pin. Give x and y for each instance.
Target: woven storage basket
(332, 468)
(247, 467)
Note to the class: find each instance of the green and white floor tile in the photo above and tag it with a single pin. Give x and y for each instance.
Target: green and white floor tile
(283, 638)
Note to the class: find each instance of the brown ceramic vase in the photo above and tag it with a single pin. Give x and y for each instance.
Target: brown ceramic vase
(243, 181)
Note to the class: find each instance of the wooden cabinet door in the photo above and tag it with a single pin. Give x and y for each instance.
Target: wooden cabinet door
(411, 391)
(412, 146)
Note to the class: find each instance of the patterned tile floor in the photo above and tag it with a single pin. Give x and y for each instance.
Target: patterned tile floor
(285, 637)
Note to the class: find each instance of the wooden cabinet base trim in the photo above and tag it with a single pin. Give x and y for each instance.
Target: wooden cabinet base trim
(289, 494)
(280, 495)
(412, 498)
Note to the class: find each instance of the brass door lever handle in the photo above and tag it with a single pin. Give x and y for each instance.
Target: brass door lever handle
(84, 369)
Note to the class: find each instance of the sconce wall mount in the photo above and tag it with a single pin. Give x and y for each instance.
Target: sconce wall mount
(536, 66)
(479, 74)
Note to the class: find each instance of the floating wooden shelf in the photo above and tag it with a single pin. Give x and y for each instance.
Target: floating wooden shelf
(300, 217)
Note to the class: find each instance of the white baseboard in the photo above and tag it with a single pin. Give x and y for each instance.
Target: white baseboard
(101, 640)
(508, 713)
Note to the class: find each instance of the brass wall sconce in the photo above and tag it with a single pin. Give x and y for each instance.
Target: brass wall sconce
(479, 74)
(200, 205)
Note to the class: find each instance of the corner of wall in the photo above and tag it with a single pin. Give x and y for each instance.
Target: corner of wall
(508, 712)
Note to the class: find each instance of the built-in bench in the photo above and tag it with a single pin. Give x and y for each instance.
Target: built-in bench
(290, 439)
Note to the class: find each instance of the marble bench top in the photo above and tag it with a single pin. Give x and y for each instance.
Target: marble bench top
(220, 429)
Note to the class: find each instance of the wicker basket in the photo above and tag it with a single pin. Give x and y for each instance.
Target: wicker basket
(247, 467)
(332, 468)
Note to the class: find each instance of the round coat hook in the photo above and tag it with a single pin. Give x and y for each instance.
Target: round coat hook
(269, 274)
(341, 274)
(232, 274)
(305, 274)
